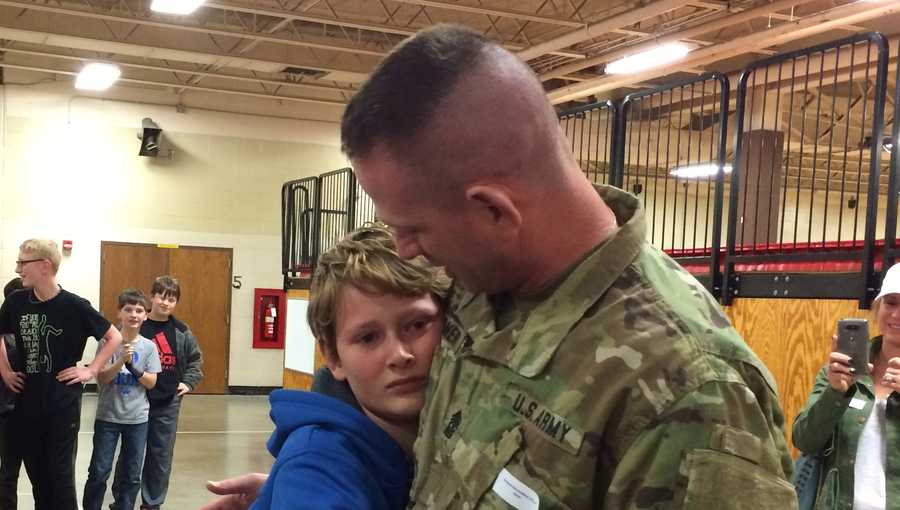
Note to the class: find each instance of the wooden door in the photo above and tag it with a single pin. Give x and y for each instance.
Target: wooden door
(125, 266)
(205, 304)
(205, 278)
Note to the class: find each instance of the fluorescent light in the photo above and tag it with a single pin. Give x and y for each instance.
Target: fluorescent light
(662, 55)
(697, 171)
(176, 6)
(97, 76)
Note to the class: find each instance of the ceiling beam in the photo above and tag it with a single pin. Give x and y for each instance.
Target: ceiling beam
(192, 28)
(503, 13)
(171, 70)
(605, 26)
(125, 79)
(805, 27)
(372, 27)
(725, 21)
(155, 52)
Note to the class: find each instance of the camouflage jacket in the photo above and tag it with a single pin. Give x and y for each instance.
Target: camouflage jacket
(827, 411)
(626, 388)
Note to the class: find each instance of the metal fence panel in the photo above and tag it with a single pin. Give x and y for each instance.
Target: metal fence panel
(337, 192)
(590, 131)
(299, 205)
(808, 148)
(672, 157)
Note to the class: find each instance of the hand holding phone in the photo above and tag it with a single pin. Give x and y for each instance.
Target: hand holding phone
(853, 340)
(847, 346)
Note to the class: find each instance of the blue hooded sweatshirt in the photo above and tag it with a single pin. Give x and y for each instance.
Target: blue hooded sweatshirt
(329, 455)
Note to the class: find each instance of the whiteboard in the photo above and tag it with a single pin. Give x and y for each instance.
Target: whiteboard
(299, 343)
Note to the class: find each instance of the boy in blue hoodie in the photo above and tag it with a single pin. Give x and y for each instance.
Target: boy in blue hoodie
(377, 318)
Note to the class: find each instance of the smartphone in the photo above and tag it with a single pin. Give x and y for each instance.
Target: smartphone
(853, 340)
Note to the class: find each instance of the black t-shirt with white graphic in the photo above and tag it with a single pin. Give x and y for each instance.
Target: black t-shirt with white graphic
(162, 333)
(50, 337)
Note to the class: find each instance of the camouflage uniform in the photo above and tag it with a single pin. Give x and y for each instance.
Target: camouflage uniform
(827, 410)
(625, 387)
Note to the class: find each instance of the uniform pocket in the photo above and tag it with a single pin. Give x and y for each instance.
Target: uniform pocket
(725, 481)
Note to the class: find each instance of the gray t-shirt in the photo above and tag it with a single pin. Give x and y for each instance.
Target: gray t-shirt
(124, 400)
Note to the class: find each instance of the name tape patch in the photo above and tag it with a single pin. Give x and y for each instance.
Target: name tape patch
(552, 426)
(516, 493)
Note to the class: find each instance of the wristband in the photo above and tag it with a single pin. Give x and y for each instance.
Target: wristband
(136, 372)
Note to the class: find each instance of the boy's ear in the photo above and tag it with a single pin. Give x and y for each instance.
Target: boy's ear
(333, 362)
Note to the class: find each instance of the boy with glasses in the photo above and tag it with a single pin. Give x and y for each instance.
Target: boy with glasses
(51, 327)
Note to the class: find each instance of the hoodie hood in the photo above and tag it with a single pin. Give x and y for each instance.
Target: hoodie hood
(293, 410)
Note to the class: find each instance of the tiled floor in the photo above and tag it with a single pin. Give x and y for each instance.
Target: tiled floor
(218, 437)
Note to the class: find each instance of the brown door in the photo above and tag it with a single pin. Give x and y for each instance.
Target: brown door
(205, 304)
(205, 277)
(125, 266)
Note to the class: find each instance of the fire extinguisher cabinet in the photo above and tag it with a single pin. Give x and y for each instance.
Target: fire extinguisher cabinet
(269, 319)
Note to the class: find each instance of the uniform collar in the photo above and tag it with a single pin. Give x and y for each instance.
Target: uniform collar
(544, 329)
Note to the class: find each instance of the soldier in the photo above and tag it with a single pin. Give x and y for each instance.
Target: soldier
(580, 367)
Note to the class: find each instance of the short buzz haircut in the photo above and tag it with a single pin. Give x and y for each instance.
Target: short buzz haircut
(132, 297)
(43, 249)
(12, 286)
(366, 258)
(401, 95)
(166, 286)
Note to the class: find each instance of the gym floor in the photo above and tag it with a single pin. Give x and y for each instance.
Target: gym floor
(218, 437)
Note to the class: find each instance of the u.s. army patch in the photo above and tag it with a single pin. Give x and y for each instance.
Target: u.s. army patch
(550, 425)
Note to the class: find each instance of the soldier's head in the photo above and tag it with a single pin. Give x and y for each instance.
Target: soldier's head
(377, 319)
(453, 138)
(38, 261)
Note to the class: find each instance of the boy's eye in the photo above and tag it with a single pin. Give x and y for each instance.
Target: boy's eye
(367, 338)
(419, 324)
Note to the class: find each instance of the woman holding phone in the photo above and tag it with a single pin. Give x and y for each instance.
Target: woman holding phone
(853, 417)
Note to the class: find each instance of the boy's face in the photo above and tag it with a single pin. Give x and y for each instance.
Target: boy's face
(32, 268)
(163, 305)
(132, 316)
(384, 347)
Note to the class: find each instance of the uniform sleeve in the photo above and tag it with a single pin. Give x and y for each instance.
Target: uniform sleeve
(151, 360)
(95, 325)
(713, 448)
(822, 411)
(193, 372)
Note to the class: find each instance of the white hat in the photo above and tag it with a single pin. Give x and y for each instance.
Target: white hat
(891, 282)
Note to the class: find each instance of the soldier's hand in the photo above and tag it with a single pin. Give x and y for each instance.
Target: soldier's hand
(236, 493)
(841, 376)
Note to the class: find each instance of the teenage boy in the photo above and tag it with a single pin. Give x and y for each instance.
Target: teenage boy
(181, 361)
(10, 460)
(123, 408)
(51, 326)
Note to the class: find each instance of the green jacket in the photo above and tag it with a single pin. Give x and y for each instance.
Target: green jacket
(826, 412)
(624, 387)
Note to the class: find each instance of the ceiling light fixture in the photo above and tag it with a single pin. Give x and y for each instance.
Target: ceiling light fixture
(659, 56)
(97, 76)
(176, 6)
(698, 171)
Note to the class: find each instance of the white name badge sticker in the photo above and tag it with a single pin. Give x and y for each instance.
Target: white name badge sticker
(857, 403)
(516, 493)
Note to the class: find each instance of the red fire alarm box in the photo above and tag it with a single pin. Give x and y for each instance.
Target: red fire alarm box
(269, 319)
